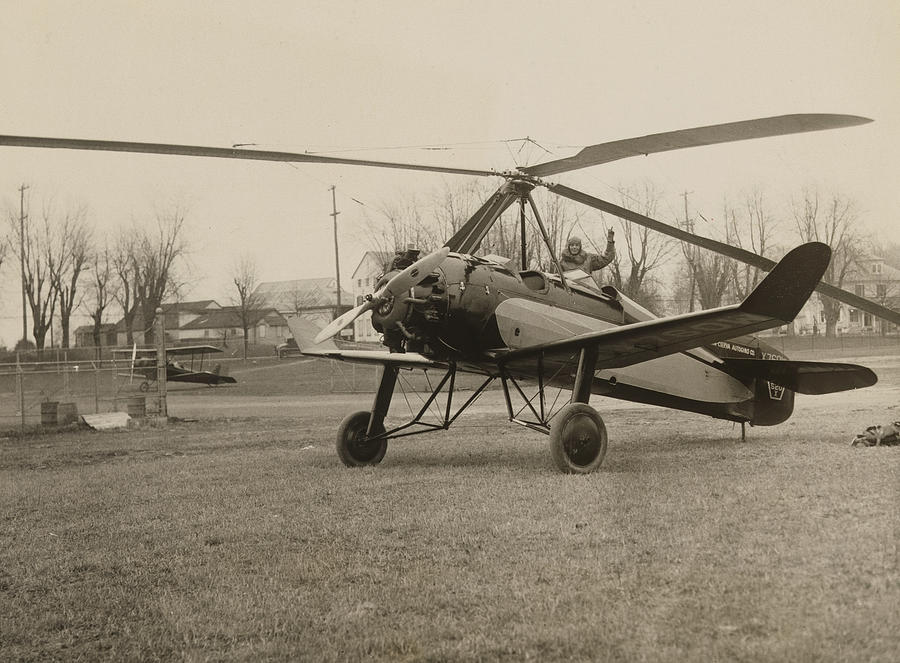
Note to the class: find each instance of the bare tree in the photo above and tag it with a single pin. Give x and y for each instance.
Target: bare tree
(710, 273)
(249, 305)
(756, 233)
(4, 247)
(641, 251)
(67, 258)
(156, 253)
(125, 267)
(453, 205)
(101, 290)
(713, 273)
(144, 262)
(833, 223)
(31, 246)
(404, 220)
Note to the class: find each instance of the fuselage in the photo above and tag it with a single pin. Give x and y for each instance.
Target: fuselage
(471, 311)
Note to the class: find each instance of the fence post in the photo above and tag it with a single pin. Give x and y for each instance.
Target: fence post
(96, 365)
(161, 364)
(20, 386)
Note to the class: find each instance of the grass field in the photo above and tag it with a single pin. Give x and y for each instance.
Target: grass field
(239, 536)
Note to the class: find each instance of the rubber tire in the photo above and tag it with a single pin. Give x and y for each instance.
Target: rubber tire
(352, 448)
(145, 387)
(578, 439)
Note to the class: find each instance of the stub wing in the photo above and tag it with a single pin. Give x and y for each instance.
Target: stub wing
(379, 357)
(804, 377)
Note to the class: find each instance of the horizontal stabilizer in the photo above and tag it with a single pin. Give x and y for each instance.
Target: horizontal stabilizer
(804, 377)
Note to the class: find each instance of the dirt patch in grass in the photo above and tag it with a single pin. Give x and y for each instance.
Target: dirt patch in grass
(239, 536)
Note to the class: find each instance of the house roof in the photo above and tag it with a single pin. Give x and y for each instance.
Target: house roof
(863, 271)
(197, 306)
(301, 293)
(381, 258)
(170, 310)
(104, 327)
(227, 317)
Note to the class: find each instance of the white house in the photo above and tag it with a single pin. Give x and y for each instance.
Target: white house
(869, 277)
(372, 265)
(315, 299)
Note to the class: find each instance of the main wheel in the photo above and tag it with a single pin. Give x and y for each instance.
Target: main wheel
(578, 439)
(353, 448)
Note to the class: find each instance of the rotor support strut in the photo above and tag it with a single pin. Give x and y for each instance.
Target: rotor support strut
(546, 236)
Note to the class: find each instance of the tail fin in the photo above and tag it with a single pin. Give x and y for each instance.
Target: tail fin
(305, 331)
(786, 288)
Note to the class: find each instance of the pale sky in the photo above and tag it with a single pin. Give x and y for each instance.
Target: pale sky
(363, 78)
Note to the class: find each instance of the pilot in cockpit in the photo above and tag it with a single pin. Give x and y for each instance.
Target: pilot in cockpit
(575, 258)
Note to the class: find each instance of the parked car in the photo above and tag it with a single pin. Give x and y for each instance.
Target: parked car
(287, 349)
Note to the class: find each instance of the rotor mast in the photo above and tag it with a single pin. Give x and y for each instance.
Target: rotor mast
(518, 187)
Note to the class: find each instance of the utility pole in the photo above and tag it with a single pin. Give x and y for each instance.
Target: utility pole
(22, 261)
(337, 260)
(690, 228)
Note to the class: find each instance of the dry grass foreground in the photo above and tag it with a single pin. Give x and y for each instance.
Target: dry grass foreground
(244, 539)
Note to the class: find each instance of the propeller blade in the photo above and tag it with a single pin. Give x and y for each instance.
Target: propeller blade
(711, 135)
(741, 255)
(413, 274)
(343, 320)
(399, 283)
(218, 152)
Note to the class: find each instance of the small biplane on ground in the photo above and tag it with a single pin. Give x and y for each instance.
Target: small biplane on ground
(454, 312)
(142, 363)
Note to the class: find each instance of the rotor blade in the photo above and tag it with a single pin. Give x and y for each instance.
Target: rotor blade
(413, 274)
(741, 255)
(218, 152)
(343, 320)
(711, 135)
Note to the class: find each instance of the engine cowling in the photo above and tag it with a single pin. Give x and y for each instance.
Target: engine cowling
(412, 321)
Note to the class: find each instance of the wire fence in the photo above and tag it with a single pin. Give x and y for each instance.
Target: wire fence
(57, 386)
(58, 392)
(837, 345)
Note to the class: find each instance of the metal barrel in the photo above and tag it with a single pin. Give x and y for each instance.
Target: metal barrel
(49, 413)
(66, 413)
(136, 406)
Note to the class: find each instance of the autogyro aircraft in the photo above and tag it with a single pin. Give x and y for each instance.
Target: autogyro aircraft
(452, 311)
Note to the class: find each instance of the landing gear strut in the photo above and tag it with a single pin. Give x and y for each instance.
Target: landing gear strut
(578, 435)
(360, 438)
